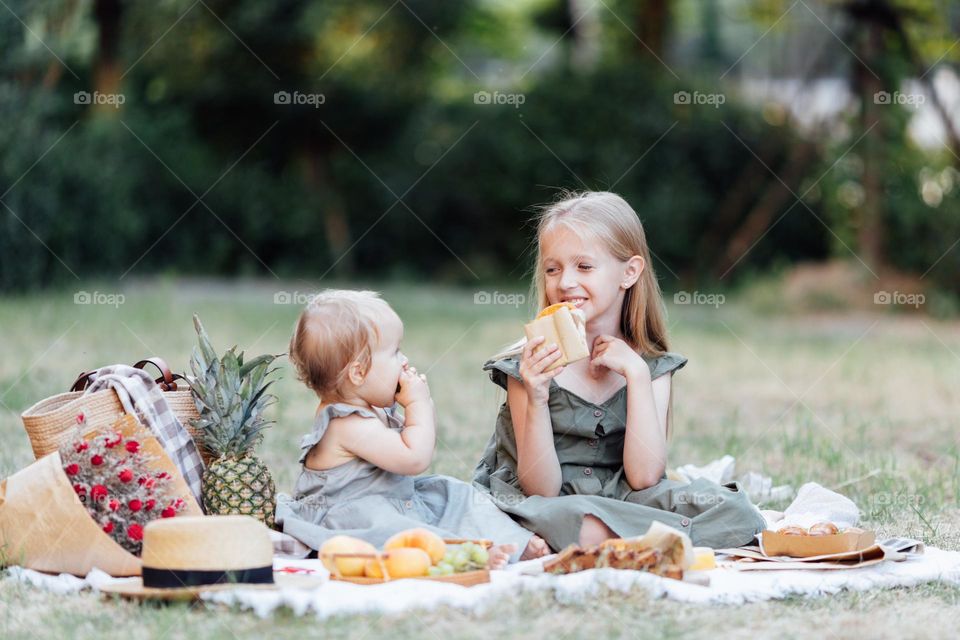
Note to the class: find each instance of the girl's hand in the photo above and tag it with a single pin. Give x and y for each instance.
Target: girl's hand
(413, 387)
(616, 355)
(535, 380)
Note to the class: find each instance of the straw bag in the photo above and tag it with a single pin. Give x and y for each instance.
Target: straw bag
(51, 422)
(44, 526)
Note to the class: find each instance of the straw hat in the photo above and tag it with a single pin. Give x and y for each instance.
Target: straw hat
(185, 556)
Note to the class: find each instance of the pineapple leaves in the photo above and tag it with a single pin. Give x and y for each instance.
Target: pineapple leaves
(231, 396)
(205, 347)
(245, 369)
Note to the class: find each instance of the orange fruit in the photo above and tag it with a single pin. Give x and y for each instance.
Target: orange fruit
(419, 539)
(373, 567)
(407, 562)
(350, 567)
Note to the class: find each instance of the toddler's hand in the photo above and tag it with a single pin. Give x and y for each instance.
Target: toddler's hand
(413, 387)
(532, 365)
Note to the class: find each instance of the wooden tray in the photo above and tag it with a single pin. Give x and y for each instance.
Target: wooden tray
(466, 579)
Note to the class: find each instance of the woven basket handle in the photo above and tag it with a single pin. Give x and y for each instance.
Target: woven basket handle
(166, 381)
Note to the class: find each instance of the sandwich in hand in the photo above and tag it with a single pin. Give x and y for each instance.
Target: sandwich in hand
(564, 325)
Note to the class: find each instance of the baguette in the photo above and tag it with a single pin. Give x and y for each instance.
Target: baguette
(564, 325)
(615, 554)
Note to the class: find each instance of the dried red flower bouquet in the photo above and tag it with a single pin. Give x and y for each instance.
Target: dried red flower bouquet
(112, 475)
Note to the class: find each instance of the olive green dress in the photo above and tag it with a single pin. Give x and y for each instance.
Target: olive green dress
(589, 441)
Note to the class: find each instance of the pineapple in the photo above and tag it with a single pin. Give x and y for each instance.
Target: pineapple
(230, 395)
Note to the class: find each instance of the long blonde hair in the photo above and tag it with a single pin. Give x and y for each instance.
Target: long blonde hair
(609, 219)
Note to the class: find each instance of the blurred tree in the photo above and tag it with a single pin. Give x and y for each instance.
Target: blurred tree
(382, 161)
(586, 31)
(107, 72)
(884, 58)
(653, 26)
(879, 52)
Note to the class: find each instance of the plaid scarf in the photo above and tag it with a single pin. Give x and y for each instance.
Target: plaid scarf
(141, 397)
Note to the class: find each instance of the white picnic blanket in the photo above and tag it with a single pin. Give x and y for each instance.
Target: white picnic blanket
(727, 586)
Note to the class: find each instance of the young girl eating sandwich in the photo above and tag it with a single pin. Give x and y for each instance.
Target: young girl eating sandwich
(579, 454)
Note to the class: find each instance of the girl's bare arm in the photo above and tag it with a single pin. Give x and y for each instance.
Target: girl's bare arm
(645, 445)
(538, 467)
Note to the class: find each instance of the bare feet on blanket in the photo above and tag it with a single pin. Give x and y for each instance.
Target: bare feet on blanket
(536, 548)
(499, 555)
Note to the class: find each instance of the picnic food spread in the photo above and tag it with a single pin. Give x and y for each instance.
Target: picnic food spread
(818, 529)
(704, 559)
(413, 553)
(345, 555)
(562, 324)
(621, 554)
(418, 539)
(663, 551)
(819, 539)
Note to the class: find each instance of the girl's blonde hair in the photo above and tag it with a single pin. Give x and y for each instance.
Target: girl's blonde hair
(337, 328)
(607, 218)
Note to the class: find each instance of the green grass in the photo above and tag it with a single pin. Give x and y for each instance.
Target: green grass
(866, 403)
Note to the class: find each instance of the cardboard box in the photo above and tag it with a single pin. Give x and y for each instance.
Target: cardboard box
(774, 543)
(751, 558)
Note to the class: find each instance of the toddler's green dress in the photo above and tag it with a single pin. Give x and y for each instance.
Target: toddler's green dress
(589, 441)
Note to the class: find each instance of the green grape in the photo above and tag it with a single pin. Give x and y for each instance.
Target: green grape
(460, 560)
(444, 568)
(434, 571)
(464, 557)
(480, 557)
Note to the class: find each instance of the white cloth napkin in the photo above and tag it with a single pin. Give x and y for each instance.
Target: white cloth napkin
(815, 504)
(758, 486)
